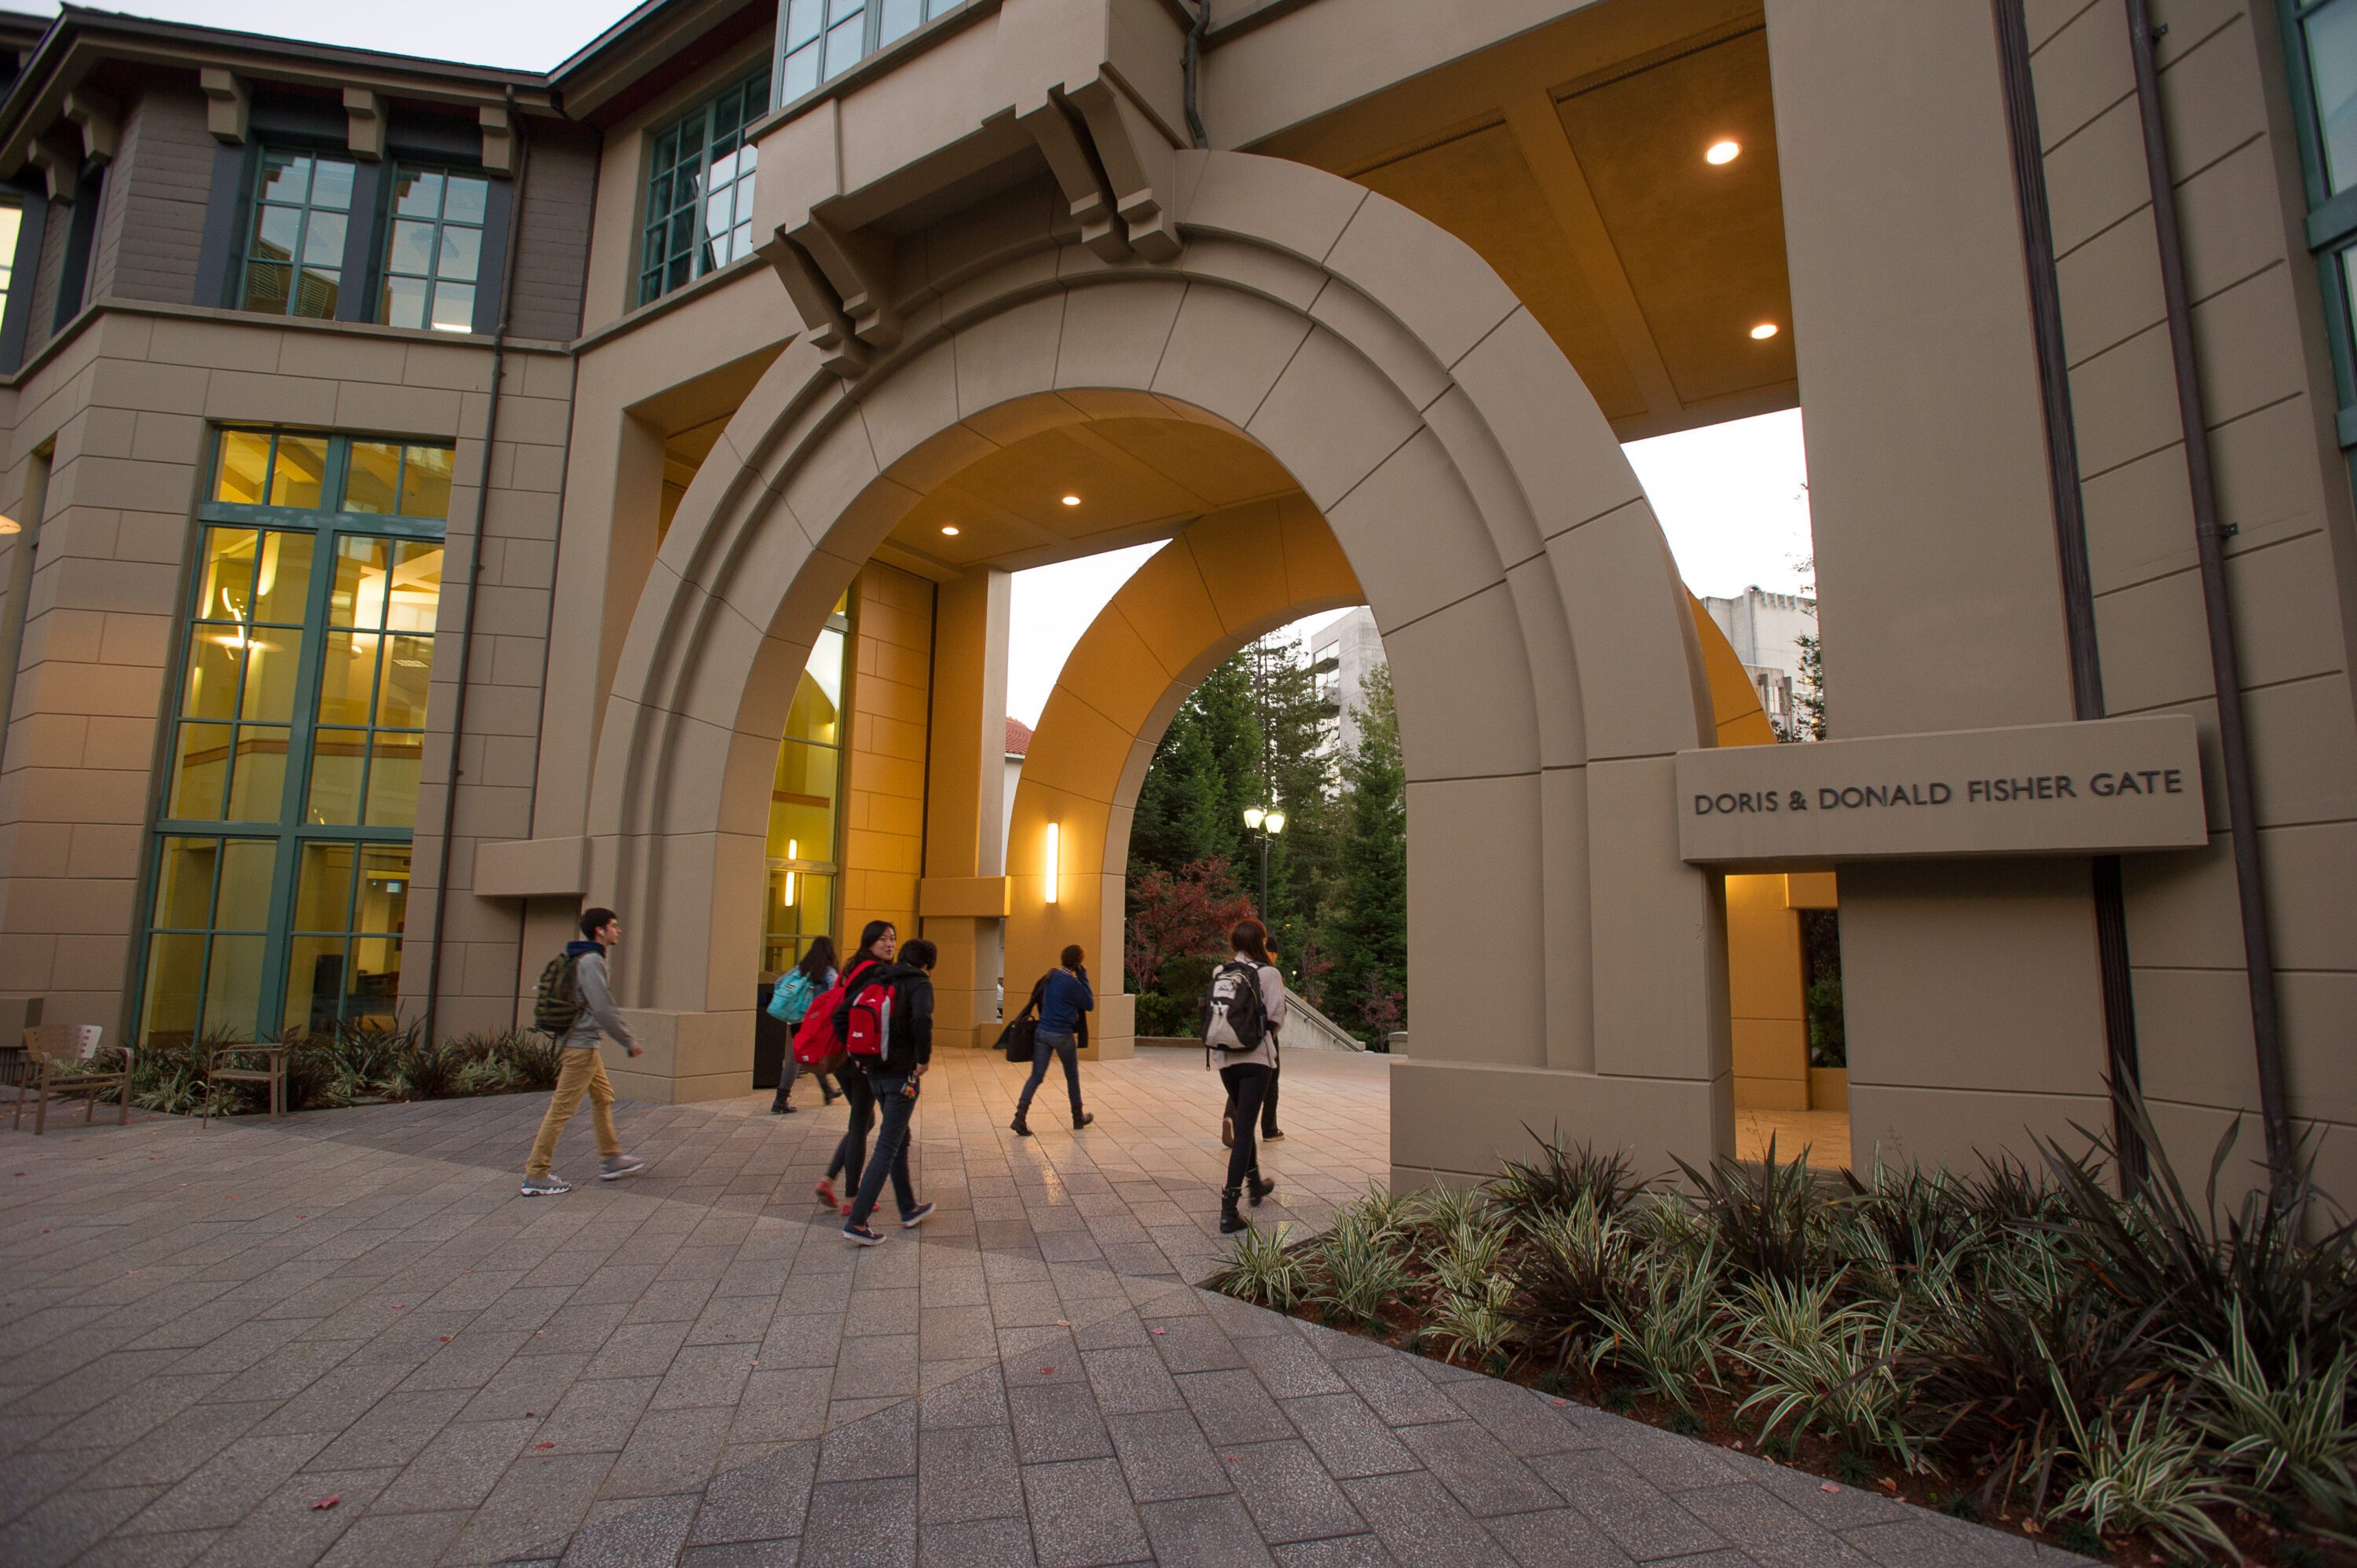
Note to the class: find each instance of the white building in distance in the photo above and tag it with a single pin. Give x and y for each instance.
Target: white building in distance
(1766, 630)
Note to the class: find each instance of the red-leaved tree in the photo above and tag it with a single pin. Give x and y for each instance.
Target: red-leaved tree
(1186, 915)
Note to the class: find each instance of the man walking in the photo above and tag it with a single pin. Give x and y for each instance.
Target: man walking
(580, 985)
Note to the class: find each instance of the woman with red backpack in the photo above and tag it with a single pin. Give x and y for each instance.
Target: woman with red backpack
(879, 940)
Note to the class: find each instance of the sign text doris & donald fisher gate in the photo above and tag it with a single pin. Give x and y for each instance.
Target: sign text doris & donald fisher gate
(2101, 787)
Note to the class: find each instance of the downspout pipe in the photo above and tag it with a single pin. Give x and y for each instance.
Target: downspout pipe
(2226, 667)
(475, 572)
(1191, 70)
(2118, 979)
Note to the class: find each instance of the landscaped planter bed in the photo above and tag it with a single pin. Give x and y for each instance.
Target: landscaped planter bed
(357, 1065)
(2033, 1353)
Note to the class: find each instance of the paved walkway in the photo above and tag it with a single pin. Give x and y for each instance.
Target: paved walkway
(210, 1332)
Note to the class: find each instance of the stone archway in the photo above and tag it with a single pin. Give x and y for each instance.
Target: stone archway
(1545, 666)
(1155, 642)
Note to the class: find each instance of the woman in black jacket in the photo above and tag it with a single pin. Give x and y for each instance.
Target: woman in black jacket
(892, 1081)
(877, 942)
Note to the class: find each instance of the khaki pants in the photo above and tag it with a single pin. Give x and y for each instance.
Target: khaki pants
(584, 1072)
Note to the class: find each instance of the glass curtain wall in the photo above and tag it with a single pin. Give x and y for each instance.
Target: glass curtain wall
(280, 871)
(803, 799)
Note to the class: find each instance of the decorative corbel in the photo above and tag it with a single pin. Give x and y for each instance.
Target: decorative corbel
(823, 323)
(60, 164)
(100, 120)
(857, 267)
(1139, 164)
(1055, 128)
(499, 138)
(364, 124)
(227, 103)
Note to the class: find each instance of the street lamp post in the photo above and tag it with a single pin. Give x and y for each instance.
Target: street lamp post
(1267, 822)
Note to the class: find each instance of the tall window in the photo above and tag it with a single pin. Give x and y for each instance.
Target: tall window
(800, 902)
(433, 255)
(700, 190)
(281, 865)
(2321, 36)
(818, 40)
(295, 242)
(12, 222)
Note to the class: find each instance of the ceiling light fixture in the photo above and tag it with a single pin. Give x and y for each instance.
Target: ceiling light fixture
(1071, 500)
(1764, 332)
(1723, 152)
(950, 529)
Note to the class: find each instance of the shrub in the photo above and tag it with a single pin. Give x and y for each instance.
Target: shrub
(2289, 1432)
(1473, 1325)
(1362, 1271)
(1766, 1225)
(424, 1071)
(1553, 1184)
(1671, 1341)
(1261, 1270)
(1577, 1268)
(534, 1059)
(2149, 1478)
(1835, 1369)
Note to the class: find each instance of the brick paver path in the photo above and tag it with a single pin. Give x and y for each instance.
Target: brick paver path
(210, 1332)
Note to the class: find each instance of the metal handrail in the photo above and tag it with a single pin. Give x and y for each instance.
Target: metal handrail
(1318, 1023)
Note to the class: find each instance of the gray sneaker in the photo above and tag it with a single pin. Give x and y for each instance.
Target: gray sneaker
(549, 1186)
(620, 1165)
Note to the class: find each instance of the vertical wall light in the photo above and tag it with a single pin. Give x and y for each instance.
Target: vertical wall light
(793, 851)
(1055, 832)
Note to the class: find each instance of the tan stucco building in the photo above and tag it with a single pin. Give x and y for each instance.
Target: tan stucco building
(452, 496)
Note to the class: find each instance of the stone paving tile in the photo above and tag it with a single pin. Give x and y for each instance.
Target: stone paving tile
(693, 1367)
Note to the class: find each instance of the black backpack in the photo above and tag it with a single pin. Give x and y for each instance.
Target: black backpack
(1235, 1019)
(557, 1001)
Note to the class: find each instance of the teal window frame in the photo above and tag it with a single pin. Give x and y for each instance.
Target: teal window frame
(2331, 227)
(447, 265)
(818, 40)
(308, 209)
(290, 833)
(677, 244)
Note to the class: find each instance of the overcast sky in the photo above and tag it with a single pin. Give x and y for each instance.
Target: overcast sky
(1731, 498)
(524, 35)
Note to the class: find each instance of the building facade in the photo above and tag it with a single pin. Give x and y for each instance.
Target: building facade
(448, 496)
(1344, 653)
(1767, 631)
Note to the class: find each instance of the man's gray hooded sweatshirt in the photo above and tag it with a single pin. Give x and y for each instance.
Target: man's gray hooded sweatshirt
(598, 1009)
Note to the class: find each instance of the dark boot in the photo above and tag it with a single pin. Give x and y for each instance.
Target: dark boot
(1081, 1119)
(1229, 1220)
(1260, 1189)
(1022, 1127)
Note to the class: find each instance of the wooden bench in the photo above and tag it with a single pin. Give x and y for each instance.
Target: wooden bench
(64, 1058)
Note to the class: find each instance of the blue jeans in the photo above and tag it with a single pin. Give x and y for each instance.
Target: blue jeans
(1044, 1044)
(890, 1155)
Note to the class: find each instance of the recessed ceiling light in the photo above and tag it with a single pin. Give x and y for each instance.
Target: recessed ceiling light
(1071, 500)
(951, 529)
(1764, 330)
(1723, 152)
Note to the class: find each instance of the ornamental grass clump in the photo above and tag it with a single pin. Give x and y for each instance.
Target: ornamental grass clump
(2138, 1373)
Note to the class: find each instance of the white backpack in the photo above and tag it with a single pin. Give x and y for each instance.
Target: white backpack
(1236, 1017)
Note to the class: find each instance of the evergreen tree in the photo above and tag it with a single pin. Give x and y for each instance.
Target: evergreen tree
(1365, 933)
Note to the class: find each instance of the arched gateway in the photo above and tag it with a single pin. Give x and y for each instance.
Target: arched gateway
(1568, 965)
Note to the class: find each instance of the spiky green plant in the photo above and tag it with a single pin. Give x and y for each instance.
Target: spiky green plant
(1814, 1364)
(2152, 1477)
(1357, 1271)
(1261, 1269)
(1472, 1326)
(1669, 1342)
(1467, 1262)
(2288, 1433)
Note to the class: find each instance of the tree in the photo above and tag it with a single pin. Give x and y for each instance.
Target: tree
(1178, 928)
(1366, 931)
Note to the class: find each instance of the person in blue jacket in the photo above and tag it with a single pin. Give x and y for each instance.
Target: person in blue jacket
(1064, 1001)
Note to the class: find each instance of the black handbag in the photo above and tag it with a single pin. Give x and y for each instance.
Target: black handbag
(1016, 1038)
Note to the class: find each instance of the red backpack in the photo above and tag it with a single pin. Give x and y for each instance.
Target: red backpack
(871, 1034)
(814, 1040)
